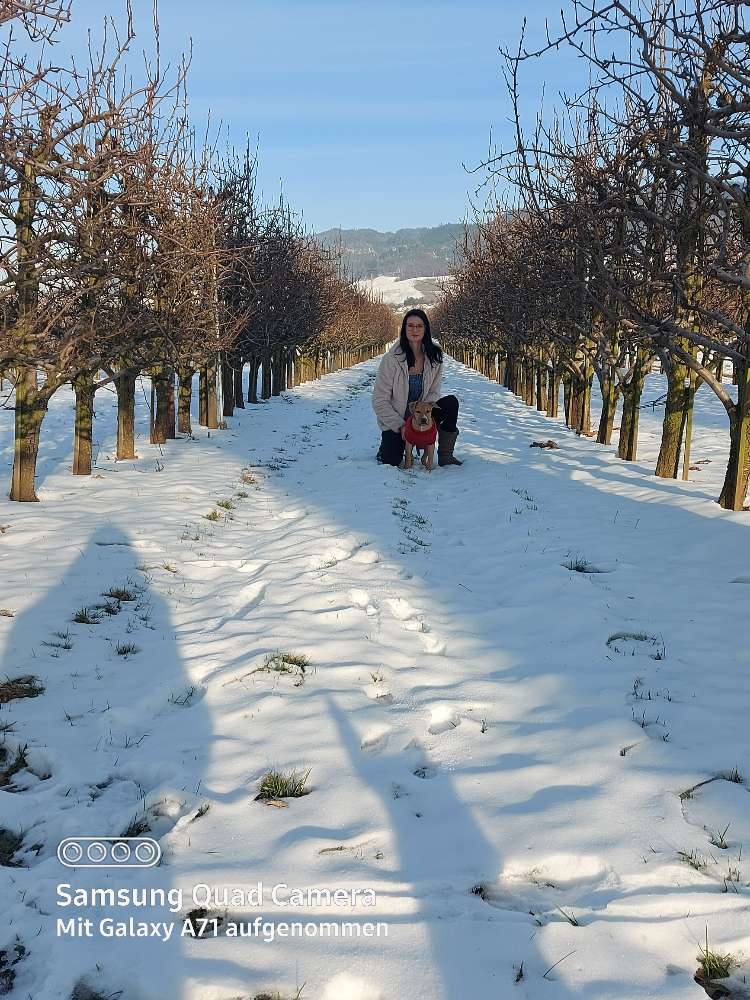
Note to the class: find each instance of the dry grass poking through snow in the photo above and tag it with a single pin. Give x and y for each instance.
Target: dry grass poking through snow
(283, 785)
(20, 687)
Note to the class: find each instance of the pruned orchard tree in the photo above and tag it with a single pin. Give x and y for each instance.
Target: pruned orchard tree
(625, 234)
(126, 247)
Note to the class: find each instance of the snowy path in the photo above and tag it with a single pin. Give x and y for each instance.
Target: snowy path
(466, 722)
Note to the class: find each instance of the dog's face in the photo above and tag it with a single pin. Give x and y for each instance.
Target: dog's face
(421, 415)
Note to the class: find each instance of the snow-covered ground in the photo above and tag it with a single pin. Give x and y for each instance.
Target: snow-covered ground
(518, 759)
(396, 291)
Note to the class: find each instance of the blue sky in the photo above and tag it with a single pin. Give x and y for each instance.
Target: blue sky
(364, 110)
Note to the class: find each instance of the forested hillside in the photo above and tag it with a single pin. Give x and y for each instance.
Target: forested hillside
(407, 253)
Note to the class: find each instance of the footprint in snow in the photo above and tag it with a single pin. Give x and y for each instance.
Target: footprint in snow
(248, 598)
(366, 557)
(434, 645)
(329, 558)
(442, 719)
(252, 567)
(552, 881)
(375, 739)
(408, 616)
(292, 515)
(379, 692)
(359, 598)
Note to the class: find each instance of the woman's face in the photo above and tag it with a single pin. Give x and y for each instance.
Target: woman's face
(414, 331)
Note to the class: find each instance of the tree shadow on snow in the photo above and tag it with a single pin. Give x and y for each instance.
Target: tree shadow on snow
(114, 745)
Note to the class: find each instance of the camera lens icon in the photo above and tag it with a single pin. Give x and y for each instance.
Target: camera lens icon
(108, 852)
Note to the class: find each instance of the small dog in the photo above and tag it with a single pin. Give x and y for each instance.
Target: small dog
(420, 431)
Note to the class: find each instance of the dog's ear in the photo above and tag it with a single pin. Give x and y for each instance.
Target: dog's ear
(411, 407)
(435, 406)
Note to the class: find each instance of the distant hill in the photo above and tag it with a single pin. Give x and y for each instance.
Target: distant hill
(407, 253)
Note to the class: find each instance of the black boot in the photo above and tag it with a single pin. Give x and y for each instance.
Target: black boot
(446, 444)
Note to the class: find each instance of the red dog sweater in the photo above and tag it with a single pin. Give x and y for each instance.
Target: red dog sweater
(421, 439)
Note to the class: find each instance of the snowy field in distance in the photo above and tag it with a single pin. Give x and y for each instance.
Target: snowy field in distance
(396, 291)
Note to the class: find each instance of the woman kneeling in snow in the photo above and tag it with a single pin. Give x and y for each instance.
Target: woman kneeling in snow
(412, 371)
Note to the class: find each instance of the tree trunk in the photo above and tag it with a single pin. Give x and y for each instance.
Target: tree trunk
(185, 396)
(541, 388)
(227, 388)
(203, 396)
(212, 396)
(553, 397)
(277, 369)
(568, 398)
(239, 400)
(170, 415)
(125, 388)
(734, 490)
(160, 415)
(627, 445)
(266, 378)
(31, 407)
(83, 386)
(252, 379)
(675, 414)
(610, 395)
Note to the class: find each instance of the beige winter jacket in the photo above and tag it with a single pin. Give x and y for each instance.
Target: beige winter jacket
(390, 394)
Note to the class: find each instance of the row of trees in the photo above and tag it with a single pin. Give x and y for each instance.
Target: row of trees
(128, 247)
(623, 236)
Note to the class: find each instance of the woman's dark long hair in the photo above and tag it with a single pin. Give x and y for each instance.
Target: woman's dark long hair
(431, 349)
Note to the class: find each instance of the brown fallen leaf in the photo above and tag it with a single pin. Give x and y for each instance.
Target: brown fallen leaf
(279, 803)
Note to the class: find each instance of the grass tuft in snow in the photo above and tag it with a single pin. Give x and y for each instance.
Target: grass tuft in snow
(87, 616)
(185, 698)
(733, 775)
(693, 859)
(524, 495)
(7, 613)
(123, 594)
(18, 763)
(82, 991)
(283, 785)
(137, 827)
(620, 639)
(285, 663)
(8, 958)
(212, 515)
(572, 920)
(719, 837)
(225, 504)
(713, 965)
(108, 607)
(127, 649)
(202, 810)
(580, 565)
(20, 687)
(62, 640)
(9, 843)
